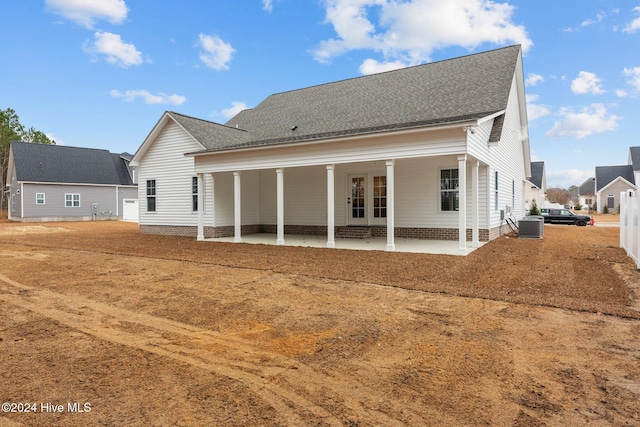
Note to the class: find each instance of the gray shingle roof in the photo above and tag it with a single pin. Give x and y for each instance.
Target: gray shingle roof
(588, 188)
(449, 91)
(634, 153)
(210, 134)
(606, 174)
(537, 173)
(59, 163)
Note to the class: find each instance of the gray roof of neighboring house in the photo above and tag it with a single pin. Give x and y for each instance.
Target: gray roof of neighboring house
(449, 91)
(537, 173)
(72, 165)
(588, 188)
(634, 153)
(606, 174)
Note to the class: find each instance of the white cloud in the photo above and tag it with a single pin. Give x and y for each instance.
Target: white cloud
(408, 32)
(216, 53)
(235, 108)
(53, 138)
(116, 51)
(634, 25)
(634, 73)
(586, 83)
(267, 5)
(568, 177)
(87, 12)
(533, 79)
(149, 98)
(371, 66)
(535, 111)
(621, 93)
(590, 120)
(588, 22)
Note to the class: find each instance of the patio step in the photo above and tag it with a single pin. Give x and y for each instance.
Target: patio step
(353, 232)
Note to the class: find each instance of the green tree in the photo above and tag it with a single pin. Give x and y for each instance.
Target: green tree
(12, 130)
(534, 209)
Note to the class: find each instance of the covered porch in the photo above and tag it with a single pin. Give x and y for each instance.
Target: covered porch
(406, 202)
(438, 247)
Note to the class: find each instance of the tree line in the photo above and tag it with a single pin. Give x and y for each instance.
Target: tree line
(12, 130)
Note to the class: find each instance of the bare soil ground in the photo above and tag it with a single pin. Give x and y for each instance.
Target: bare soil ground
(167, 331)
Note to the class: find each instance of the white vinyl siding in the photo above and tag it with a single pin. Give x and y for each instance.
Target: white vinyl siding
(381, 148)
(507, 157)
(166, 163)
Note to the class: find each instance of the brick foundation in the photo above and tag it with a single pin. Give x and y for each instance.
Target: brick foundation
(319, 230)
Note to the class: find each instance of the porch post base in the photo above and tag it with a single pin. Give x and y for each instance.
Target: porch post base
(331, 244)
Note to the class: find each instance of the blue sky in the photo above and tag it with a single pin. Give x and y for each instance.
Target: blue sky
(100, 73)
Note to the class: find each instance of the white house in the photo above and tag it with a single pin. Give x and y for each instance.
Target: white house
(436, 151)
(536, 188)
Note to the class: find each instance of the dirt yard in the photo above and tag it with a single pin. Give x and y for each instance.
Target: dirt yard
(103, 326)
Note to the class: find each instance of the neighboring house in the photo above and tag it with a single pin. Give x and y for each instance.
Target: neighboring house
(587, 193)
(536, 188)
(60, 183)
(610, 182)
(634, 161)
(436, 151)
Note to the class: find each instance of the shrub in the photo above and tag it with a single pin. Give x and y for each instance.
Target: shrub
(533, 209)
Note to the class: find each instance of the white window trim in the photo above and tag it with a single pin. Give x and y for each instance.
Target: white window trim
(440, 191)
(38, 199)
(496, 191)
(72, 200)
(146, 196)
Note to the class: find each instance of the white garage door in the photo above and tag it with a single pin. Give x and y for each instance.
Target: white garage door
(130, 210)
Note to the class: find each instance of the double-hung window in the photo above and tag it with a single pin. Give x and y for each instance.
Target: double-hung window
(39, 198)
(72, 200)
(495, 190)
(449, 194)
(194, 194)
(151, 195)
(379, 196)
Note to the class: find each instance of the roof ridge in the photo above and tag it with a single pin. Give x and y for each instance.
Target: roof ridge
(394, 71)
(75, 147)
(207, 121)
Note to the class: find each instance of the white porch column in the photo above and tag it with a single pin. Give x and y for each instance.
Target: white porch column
(237, 208)
(200, 207)
(331, 206)
(462, 203)
(391, 246)
(280, 206)
(213, 200)
(475, 209)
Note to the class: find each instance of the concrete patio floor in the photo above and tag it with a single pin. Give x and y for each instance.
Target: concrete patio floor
(444, 247)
